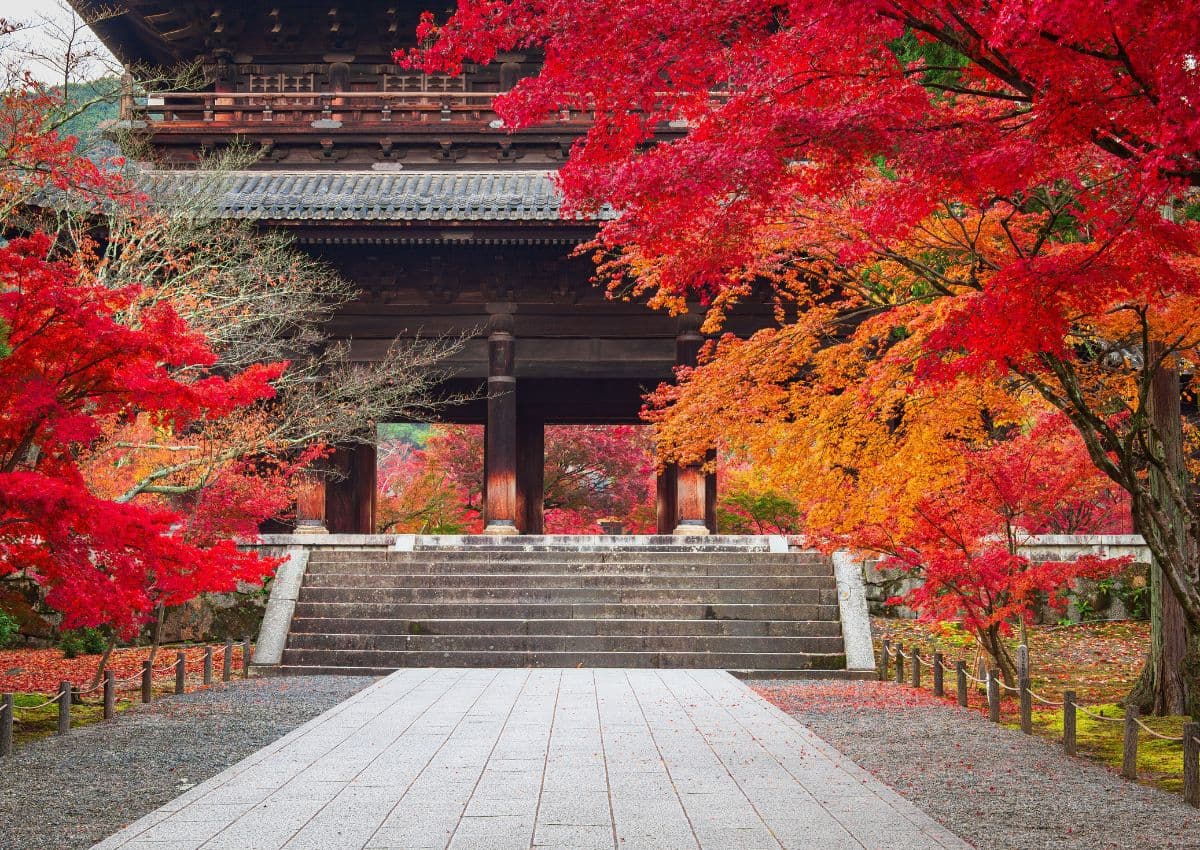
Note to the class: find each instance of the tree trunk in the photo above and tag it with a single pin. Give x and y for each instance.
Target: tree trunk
(993, 644)
(108, 648)
(156, 631)
(1163, 688)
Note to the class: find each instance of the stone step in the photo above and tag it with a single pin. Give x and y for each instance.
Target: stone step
(565, 643)
(559, 611)
(597, 542)
(569, 627)
(483, 658)
(577, 579)
(322, 556)
(571, 595)
(561, 568)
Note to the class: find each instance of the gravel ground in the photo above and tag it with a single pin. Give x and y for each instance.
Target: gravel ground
(994, 787)
(71, 792)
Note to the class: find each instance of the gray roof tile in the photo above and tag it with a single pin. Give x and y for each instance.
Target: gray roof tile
(372, 195)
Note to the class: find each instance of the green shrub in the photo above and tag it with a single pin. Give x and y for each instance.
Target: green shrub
(94, 641)
(82, 642)
(71, 644)
(8, 629)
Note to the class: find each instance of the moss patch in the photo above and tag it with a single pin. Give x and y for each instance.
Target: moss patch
(31, 724)
(1160, 763)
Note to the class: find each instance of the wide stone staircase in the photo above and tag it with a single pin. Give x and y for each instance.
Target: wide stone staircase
(565, 602)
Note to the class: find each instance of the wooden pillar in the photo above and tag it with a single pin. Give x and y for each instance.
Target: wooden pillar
(501, 456)
(350, 490)
(690, 489)
(531, 475)
(710, 495)
(365, 487)
(666, 503)
(310, 504)
(340, 513)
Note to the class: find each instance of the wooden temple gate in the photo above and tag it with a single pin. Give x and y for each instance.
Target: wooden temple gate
(448, 224)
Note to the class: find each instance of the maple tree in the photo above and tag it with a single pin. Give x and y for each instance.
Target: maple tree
(964, 539)
(990, 198)
(69, 364)
(80, 354)
(163, 384)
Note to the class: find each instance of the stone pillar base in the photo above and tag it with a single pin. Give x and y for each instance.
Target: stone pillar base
(691, 528)
(310, 528)
(501, 527)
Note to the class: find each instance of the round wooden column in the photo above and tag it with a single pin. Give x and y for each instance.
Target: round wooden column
(501, 455)
(691, 490)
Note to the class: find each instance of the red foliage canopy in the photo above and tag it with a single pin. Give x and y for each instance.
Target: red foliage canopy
(75, 353)
(792, 106)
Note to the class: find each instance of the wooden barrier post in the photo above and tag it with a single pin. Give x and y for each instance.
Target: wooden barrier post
(110, 694)
(208, 664)
(916, 669)
(1026, 707)
(993, 696)
(899, 664)
(883, 660)
(180, 672)
(1130, 743)
(246, 658)
(960, 671)
(64, 708)
(147, 681)
(1191, 763)
(6, 725)
(939, 684)
(227, 661)
(1069, 722)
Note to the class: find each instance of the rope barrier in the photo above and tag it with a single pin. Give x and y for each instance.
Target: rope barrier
(166, 669)
(50, 701)
(1158, 735)
(1095, 716)
(1044, 701)
(1070, 709)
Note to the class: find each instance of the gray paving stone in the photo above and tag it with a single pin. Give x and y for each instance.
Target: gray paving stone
(603, 759)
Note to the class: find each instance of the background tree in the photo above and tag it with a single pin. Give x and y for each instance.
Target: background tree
(591, 472)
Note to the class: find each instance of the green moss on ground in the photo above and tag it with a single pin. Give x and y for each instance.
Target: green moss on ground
(32, 724)
(1160, 763)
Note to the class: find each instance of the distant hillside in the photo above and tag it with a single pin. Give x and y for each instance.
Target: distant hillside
(86, 125)
(413, 433)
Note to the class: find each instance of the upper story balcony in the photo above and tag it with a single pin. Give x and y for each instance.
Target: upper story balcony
(361, 128)
(358, 110)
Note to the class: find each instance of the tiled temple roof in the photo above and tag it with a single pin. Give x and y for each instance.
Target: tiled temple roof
(411, 196)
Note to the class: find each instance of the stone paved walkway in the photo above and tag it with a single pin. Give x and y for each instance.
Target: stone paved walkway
(544, 758)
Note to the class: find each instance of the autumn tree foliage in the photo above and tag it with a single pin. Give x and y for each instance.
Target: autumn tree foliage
(166, 376)
(591, 472)
(981, 207)
(963, 540)
(72, 359)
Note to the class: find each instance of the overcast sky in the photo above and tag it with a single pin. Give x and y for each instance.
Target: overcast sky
(42, 18)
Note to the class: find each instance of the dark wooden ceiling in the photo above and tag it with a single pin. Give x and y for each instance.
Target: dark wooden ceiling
(169, 32)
